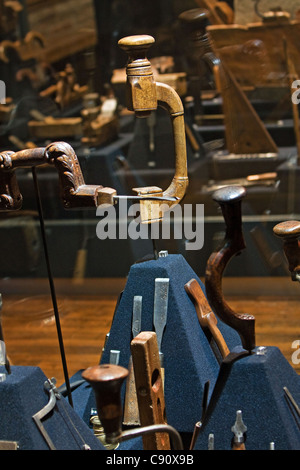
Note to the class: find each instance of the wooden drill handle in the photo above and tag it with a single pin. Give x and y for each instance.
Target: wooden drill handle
(140, 86)
(195, 19)
(289, 232)
(106, 381)
(149, 387)
(229, 198)
(206, 317)
(136, 46)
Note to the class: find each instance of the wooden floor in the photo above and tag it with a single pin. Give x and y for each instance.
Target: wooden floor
(85, 317)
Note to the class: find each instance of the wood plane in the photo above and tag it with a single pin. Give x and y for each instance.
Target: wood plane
(255, 53)
(258, 56)
(55, 128)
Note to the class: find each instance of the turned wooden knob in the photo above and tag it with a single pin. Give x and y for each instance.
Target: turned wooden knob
(136, 45)
(289, 232)
(229, 194)
(195, 18)
(229, 198)
(106, 381)
(288, 229)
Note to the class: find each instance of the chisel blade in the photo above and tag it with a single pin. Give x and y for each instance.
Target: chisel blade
(161, 298)
(137, 315)
(131, 410)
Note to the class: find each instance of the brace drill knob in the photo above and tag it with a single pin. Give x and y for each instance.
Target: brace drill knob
(106, 381)
(141, 88)
(289, 232)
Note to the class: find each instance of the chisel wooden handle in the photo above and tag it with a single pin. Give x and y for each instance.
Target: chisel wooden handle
(229, 198)
(149, 387)
(289, 232)
(106, 381)
(206, 317)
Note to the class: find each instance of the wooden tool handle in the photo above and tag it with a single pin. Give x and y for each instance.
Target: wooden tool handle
(195, 19)
(106, 381)
(73, 190)
(149, 387)
(136, 46)
(140, 86)
(289, 232)
(238, 446)
(206, 317)
(229, 199)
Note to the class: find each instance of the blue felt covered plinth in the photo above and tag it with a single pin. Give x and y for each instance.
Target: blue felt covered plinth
(189, 360)
(254, 384)
(22, 395)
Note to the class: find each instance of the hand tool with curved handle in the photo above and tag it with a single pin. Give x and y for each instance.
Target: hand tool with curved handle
(143, 96)
(229, 199)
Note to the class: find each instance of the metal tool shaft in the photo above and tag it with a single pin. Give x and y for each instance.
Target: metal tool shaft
(161, 295)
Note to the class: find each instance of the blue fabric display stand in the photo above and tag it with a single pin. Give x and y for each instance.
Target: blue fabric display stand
(189, 360)
(254, 384)
(22, 395)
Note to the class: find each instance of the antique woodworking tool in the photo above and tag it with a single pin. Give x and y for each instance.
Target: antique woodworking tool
(161, 294)
(55, 405)
(106, 381)
(144, 96)
(239, 430)
(50, 386)
(149, 386)
(206, 316)
(3, 356)
(229, 199)
(289, 232)
(292, 401)
(236, 106)
(131, 411)
(199, 423)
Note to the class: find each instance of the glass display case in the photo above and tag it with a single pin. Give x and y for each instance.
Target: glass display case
(111, 110)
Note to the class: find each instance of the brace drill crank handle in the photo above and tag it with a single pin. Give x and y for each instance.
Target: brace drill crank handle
(229, 199)
(73, 190)
(289, 232)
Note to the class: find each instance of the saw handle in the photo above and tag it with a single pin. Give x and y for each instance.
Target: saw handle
(106, 381)
(229, 198)
(289, 232)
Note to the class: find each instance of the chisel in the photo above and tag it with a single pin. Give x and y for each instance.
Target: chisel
(131, 411)
(161, 297)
